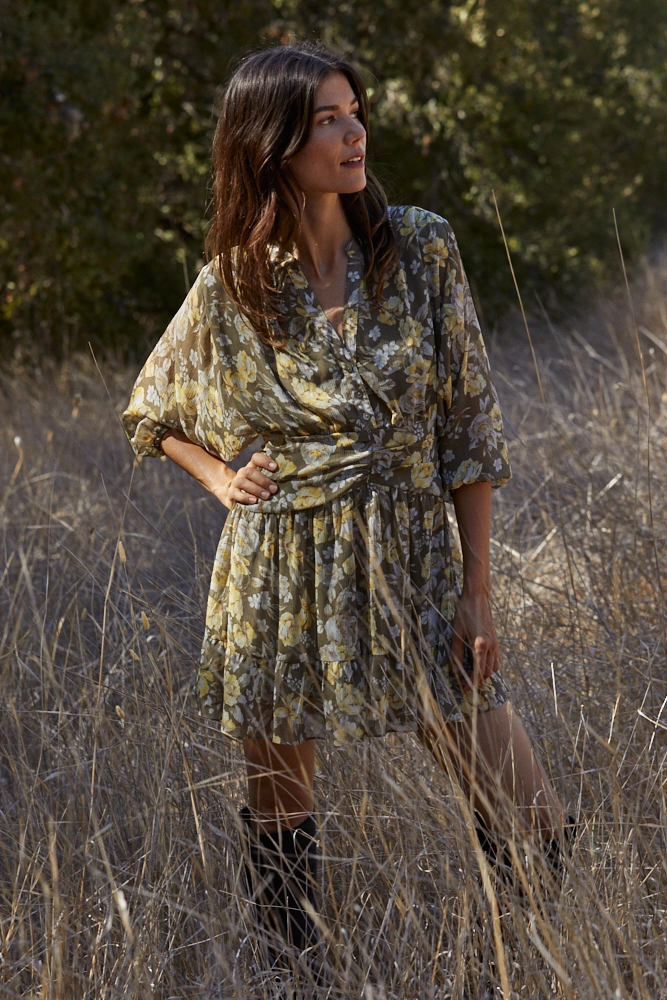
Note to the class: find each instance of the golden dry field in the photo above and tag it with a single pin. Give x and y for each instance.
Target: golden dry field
(120, 866)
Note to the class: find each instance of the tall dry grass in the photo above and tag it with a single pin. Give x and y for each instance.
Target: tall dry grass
(119, 869)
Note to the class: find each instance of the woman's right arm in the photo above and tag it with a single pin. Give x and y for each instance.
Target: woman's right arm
(245, 486)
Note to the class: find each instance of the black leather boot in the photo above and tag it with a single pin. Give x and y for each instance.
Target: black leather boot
(499, 857)
(281, 877)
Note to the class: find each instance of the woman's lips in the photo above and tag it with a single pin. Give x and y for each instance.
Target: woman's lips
(354, 161)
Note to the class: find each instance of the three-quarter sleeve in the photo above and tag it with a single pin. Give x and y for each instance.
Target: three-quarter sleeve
(471, 442)
(182, 385)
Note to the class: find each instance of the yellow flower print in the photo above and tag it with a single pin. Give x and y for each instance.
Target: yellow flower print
(206, 678)
(311, 394)
(305, 615)
(194, 310)
(316, 453)
(390, 551)
(245, 331)
(420, 370)
(242, 634)
(436, 252)
(286, 365)
(427, 523)
(422, 474)
(473, 383)
(467, 472)
(288, 629)
(402, 514)
(334, 651)
(482, 431)
(402, 439)
(426, 565)
(231, 444)
(294, 547)
(220, 575)
(239, 565)
(189, 397)
(411, 331)
(401, 281)
(396, 415)
(446, 393)
(335, 670)
(232, 688)
(235, 601)
(410, 222)
(496, 418)
(289, 710)
(246, 539)
(161, 376)
(308, 496)
(268, 546)
(227, 724)
(297, 278)
(390, 309)
(349, 699)
(321, 532)
(246, 371)
(286, 466)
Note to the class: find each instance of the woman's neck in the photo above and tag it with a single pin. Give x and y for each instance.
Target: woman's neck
(323, 234)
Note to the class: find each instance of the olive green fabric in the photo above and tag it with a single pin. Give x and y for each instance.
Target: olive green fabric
(331, 604)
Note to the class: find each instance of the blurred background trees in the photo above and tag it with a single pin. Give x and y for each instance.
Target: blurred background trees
(107, 109)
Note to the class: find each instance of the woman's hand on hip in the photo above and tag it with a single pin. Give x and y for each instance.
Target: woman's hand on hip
(473, 627)
(249, 484)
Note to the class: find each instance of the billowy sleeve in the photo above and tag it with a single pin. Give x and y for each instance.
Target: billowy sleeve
(182, 385)
(471, 442)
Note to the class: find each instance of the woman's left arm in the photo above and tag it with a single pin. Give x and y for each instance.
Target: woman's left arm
(473, 622)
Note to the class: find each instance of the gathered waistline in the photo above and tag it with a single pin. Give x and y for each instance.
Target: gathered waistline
(286, 505)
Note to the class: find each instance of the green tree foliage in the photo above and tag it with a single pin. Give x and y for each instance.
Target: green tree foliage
(107, 108)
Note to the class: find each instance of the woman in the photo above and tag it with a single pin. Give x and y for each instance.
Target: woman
(343, 332)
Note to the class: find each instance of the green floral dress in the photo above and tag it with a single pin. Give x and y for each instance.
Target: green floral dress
(331, 604)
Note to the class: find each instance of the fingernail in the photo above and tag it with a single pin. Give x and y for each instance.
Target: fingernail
(273, 487)
(273, 465)
(265, 494)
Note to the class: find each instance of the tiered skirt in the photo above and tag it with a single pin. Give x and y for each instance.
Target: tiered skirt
(336, 621)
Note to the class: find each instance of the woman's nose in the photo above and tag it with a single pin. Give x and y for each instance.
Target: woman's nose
(356, 131)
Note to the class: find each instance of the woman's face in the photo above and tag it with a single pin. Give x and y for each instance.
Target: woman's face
(333, 159)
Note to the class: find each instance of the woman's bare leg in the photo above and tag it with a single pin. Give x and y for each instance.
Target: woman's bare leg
(499, 772)
(280, 782)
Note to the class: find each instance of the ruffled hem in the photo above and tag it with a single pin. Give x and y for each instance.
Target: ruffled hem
(344, 701)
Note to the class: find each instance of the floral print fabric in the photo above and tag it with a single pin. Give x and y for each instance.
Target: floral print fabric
(331, 604)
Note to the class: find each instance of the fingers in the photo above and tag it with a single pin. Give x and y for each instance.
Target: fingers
(484, 661)
(262, 460)
(250, 484)
(485, 656)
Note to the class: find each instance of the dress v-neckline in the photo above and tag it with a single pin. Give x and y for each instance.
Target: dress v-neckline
(347, 338)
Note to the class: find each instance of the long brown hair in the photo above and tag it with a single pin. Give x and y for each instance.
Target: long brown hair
(266, 118)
